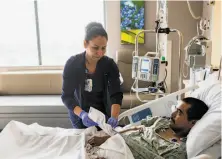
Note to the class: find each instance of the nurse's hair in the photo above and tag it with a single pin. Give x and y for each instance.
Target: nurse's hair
(94, 29)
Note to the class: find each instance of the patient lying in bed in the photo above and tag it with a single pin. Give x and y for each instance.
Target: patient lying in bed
(159, 137)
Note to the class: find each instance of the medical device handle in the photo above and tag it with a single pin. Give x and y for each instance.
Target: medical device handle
(180, 59)
(137, 54)
(136, 39)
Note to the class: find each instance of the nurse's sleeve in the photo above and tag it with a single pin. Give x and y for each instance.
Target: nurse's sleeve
(114, 84)
(69, 84)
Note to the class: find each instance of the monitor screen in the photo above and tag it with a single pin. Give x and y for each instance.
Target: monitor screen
(145, 63)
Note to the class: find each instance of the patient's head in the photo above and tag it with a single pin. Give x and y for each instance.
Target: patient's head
(186, 115)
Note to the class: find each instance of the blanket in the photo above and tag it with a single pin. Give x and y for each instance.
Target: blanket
(21, 141)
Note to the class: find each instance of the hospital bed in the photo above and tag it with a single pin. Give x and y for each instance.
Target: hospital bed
(205, 136)
(35, 141)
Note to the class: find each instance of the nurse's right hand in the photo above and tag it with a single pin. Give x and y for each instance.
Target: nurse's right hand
(86, 120)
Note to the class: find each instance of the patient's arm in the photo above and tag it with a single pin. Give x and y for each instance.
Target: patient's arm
(99, 140)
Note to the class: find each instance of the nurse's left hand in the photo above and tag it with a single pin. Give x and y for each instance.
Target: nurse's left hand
(113, 122)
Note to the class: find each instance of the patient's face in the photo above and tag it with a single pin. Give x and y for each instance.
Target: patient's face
(96, 48)
(179, 120)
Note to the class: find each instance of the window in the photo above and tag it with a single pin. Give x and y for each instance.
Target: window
(17, 33)
(44, 32)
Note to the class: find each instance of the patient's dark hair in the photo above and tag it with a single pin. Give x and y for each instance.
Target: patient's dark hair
(197, 108)
(93, 30)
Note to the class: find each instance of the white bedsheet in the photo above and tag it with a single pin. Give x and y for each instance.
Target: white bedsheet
(21, 141)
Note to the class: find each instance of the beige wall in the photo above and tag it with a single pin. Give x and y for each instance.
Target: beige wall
(178, 18)
(216, 35)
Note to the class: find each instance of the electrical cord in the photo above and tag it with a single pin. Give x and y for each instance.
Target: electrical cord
(202, 26)
(162, 85)
(165, 80)
(191, 11)
(131, 102)
(165, 75)
(198, 33)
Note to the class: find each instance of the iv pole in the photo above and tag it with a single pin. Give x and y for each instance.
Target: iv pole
(161, 30)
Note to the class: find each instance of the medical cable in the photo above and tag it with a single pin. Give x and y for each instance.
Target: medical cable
(191, 11)
(198, 33)
(203, 26)
(131, 101)
(187, 70)
(165, 80)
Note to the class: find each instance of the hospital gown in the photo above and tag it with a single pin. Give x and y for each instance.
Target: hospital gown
(147, 144)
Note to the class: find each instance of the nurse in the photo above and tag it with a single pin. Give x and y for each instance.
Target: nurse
(91, 79)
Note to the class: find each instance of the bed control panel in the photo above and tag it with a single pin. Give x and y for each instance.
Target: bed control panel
(141, 115)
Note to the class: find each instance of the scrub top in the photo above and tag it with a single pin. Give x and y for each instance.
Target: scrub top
(93, 91)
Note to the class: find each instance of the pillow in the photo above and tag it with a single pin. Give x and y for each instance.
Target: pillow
(214, 151)
(206, 131)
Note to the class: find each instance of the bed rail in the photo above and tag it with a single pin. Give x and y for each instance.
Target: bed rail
(158, 107)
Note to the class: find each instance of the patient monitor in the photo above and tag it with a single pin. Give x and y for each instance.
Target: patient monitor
(146, 68)
(197, 47)
(195, 52)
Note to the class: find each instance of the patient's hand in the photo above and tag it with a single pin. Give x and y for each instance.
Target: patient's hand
(97, 140)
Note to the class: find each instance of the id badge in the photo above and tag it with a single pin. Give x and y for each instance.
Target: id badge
(88, 85)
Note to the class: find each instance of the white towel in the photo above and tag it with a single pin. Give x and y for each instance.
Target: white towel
(100, 119)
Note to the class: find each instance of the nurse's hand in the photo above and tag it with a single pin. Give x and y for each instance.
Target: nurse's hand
(86, 120)
(113, 122)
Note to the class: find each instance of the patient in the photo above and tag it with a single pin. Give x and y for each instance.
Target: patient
(159, 137)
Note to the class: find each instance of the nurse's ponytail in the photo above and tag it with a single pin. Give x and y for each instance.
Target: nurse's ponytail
(93, 30)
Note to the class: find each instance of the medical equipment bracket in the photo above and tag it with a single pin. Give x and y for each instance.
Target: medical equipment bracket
(158, 29)
(180, 57)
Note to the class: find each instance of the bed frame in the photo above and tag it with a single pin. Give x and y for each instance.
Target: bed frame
(158, 107)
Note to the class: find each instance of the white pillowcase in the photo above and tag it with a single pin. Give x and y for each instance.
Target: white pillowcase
(206, 131)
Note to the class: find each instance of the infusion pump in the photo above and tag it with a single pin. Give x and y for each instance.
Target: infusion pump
(146, 68)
